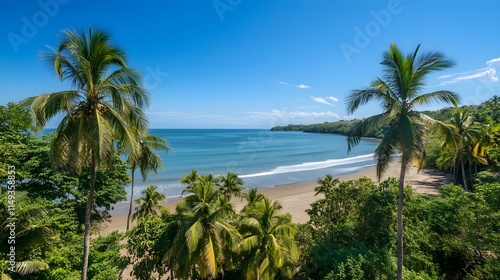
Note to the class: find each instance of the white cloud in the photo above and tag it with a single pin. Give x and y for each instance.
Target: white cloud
(493, 61)
(302, 86)
(320, 100)
(488, 73)
(296, 114)
(334, 99)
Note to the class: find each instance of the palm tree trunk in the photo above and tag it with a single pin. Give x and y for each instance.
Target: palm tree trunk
(463, 177)
(131, 199)
(400, 218)
(453, 175)
(471, 178)
(88, 210)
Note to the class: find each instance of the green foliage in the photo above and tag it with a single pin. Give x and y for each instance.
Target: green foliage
(147, 243)
(149, 203)
(353, 226)
(203, 239)
(50, 205)
(477, 144)
(351, 233)
(105, 260)
(267, 247)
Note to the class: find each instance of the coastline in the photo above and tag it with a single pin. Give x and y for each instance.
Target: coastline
(296, 198)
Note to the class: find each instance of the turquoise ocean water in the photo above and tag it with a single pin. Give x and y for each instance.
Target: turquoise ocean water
(261, 157)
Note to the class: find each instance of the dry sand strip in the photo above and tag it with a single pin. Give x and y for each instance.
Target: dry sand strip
(295, 199)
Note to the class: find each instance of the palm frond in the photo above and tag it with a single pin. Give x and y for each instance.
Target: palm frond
(362, 128)
(29, 267)
(386, 151)
(194, 235)
(361, 97)
(437, 96)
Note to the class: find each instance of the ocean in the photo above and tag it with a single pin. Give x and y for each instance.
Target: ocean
(262, 158)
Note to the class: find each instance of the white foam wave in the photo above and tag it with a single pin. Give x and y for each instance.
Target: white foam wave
(311, 166)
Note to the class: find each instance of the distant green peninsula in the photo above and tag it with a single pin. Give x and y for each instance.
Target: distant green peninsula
(342, 127)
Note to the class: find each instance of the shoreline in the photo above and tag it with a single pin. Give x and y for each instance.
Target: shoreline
(296, 198)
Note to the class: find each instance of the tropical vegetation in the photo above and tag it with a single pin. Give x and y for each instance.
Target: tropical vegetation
(400, 91)
(66, 183)
(103, 108)
(350, 233)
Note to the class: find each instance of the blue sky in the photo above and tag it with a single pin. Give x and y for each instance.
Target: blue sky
(256, 63)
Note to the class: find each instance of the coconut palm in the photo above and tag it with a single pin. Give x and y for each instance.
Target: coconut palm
(191, 178)
(147, 160)
(470, 148)
(268, 246)
(230, 185)
(32, 230)
(325, 184)
(149, 203)
(203, 232)
(399, 93)
(252, 197)
(105, 103)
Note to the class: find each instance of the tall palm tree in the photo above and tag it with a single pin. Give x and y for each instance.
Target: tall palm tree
(106, 101)
(399, 92)
(230, 185)
(268, 244)
(469, 148)
(147, 160)
(148, 203)
(325, 184)
(203, 232)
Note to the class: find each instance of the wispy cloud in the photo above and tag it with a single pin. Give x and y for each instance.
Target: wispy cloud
(296, 114)
(320, 100)
(488, 73)
(327, 100)
(334, 99)
(493, 61)
(301, 86)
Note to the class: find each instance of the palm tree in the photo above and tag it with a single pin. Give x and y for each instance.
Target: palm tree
(148, 203)
(268, 244)
(399, 92)
(252, 197)
(147, 160)
(230, 185)
(469, 148)
(98, 113)
(191, 178)
(32, 231)
(325, 184)
(204, 234)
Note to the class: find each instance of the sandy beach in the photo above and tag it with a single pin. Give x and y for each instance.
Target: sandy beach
(295, 199)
